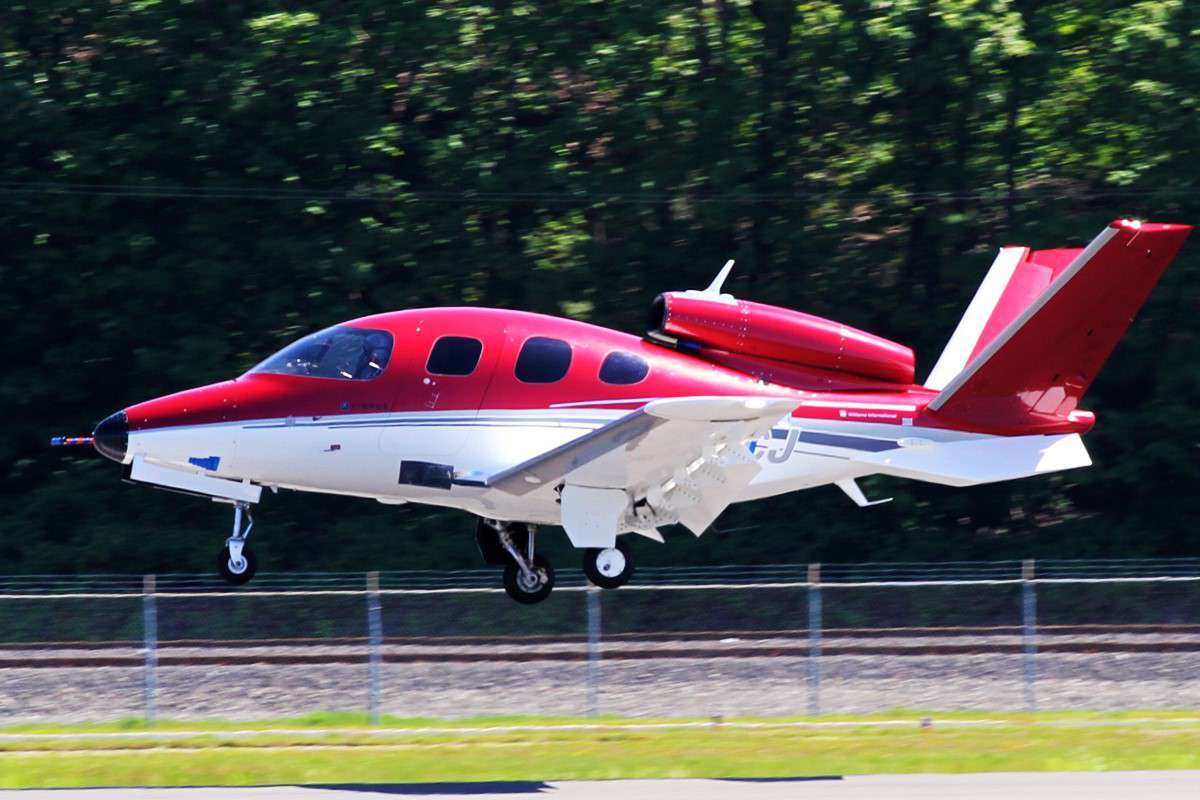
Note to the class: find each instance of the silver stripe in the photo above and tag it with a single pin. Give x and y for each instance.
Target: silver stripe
(561, 426)
(606, 402)
(349, 420)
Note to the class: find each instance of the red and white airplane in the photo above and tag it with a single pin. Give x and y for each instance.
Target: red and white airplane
(527, 420)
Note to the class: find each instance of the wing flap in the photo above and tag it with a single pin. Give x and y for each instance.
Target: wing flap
(674, 460)
(550, 467)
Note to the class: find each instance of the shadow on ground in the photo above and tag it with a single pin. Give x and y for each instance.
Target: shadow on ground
(465, 789)
(510, 787)
(475, 788)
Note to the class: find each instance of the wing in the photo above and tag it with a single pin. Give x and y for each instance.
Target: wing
(675, 460)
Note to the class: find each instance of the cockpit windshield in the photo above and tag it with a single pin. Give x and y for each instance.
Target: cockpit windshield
(349, 354)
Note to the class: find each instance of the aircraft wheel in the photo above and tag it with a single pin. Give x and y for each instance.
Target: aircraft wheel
(524, 590)
(237, 573)
(610, 567)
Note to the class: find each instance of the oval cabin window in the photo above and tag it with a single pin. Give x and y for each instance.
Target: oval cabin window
(543, 360)
(623, 368)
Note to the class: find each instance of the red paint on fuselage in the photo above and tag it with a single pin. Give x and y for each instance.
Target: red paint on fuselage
(406, 386)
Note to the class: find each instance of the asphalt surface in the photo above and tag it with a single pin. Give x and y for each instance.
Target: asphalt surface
(1020, 785)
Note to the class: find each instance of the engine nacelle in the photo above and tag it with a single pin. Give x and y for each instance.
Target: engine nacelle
(780, 334)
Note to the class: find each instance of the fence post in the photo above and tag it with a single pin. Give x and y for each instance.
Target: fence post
(1029, 632)
(374, 643)
(150, 645)
(593, 651)
(814, 640)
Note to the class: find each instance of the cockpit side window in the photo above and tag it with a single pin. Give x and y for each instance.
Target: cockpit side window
(349, 354)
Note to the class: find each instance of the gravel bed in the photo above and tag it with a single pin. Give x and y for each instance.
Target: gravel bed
(516, 646)
(660, 687)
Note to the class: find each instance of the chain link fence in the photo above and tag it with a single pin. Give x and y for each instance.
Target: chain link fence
(680, 642)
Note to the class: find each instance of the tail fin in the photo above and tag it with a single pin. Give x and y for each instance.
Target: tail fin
(1043, 323)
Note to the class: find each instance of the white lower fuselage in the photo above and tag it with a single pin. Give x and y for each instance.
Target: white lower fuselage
(360, 455)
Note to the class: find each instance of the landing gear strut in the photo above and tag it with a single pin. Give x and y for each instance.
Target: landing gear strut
(609, 567)
(237, 563)
(528, 576)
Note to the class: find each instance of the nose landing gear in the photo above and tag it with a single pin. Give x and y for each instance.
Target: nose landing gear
(528, 576)
(236, 562)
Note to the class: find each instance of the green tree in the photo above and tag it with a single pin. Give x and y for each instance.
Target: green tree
(187, 184)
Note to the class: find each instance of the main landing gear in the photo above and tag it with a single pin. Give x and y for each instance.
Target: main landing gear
(236, 562)
(528, 576)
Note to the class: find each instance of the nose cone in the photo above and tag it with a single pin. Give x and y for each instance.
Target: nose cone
(111, 437)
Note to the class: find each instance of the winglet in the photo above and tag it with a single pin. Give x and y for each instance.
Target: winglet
(852, 491)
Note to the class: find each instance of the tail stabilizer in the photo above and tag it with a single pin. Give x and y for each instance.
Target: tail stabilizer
(1015, 280)
(1041, 326)
(986, 459)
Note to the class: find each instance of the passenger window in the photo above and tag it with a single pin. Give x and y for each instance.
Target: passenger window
(623, 368)
(543, 360)
(454, 355)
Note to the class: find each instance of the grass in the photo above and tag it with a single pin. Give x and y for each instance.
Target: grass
(349, 720)
(346, 753)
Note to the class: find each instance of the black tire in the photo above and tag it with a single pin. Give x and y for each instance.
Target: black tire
(227, 572)
(592, 570)
(513, 582)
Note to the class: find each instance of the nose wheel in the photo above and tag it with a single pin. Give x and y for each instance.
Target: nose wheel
(237, 570)
(609, 567)
(236, 562)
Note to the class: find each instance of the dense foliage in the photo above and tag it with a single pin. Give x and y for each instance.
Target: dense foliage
(185, 185)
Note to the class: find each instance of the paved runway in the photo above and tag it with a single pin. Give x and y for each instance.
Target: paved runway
(1019, 785)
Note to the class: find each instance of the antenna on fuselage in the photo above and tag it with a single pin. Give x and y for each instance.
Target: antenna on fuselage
(719, 281)
(713, 293)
